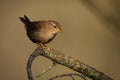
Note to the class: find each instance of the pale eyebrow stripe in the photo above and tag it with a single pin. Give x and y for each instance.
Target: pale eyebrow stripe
(53, 24)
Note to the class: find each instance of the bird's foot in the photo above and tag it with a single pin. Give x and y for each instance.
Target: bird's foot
(43, 46)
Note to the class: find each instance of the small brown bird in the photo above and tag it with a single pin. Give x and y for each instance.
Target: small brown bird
(41, 32)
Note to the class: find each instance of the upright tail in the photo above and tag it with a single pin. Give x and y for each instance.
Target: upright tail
(25, 20)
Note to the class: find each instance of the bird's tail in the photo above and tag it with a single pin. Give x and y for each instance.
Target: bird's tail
(25, 20)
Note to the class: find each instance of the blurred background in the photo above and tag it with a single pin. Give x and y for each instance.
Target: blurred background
(91, 33)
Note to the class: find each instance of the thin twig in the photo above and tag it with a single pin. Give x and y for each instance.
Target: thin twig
(69, 75)
(46, 70)
(72, 77)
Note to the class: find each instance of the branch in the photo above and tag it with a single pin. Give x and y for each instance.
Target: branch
(69, 75)
(67, 61)
(46, 70)
(29, 63)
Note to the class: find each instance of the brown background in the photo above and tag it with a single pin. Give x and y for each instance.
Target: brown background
(84, 37)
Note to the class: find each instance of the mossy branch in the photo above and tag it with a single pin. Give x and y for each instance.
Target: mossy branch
(67, 61)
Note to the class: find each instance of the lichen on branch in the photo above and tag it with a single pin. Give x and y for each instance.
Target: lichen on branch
(74, 64)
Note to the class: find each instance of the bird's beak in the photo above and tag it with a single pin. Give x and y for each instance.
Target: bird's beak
(60, 30)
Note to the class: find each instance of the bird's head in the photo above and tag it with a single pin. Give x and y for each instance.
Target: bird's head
(55, 26)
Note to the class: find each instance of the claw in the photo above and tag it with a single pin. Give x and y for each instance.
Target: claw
(43, 46)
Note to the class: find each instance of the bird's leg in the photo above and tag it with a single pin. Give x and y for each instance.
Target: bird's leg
(43, 46)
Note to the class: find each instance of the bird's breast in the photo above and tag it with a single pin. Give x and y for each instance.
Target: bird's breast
(44, 37)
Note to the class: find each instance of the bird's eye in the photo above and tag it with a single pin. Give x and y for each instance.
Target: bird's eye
(54, 26)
